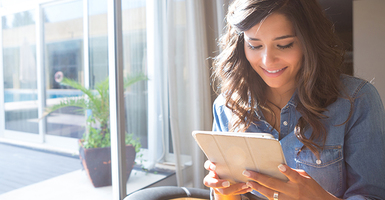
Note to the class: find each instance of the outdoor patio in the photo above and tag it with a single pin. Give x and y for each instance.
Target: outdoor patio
(27, 173)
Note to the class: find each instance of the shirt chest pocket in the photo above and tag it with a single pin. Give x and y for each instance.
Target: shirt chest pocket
(327, 170)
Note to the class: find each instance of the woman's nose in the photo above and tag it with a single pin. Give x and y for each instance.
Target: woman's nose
(269, 57)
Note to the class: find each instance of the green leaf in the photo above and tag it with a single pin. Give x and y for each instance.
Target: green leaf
(133, 79)
(97, 101)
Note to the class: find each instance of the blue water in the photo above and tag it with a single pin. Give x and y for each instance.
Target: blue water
(10, 96)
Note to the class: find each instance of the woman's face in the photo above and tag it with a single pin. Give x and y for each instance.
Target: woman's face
(274, 51)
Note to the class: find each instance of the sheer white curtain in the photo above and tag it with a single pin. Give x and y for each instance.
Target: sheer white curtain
(179, 70)
(188, 84)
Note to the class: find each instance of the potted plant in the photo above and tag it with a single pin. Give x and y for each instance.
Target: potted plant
(94, 147)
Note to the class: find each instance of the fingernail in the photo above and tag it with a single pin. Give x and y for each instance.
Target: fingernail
(248, 184)
(282, 168)
(246, 173)
(245, 186)
(226, 184)
(213, 167)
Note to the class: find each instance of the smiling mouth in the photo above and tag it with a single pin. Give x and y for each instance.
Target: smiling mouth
(275, 71)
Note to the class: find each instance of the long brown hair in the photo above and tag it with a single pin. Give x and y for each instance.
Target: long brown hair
(318, 81)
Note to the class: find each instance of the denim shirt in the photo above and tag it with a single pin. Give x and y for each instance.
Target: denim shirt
(352, 163)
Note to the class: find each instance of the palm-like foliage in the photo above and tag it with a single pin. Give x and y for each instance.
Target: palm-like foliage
(98, 103)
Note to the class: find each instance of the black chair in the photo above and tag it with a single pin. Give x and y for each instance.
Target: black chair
(168, 192)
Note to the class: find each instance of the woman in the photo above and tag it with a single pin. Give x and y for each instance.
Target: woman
(280, 73)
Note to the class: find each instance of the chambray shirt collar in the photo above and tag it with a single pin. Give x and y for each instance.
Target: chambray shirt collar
(291, 102)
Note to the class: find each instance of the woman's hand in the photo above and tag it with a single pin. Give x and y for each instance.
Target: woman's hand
(222, 188)
(299, 186)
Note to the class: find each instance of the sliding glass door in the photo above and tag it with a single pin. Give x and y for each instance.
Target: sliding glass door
(19, 74)
(63, 57)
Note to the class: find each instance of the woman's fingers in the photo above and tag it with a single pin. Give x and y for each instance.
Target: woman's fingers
(209, 165)
(268, 185)
(264, 180)
(267, 192)
(303, 173)
(222, 187)
(291, 174)
(212, 180)
(300, 185)
(276, 184)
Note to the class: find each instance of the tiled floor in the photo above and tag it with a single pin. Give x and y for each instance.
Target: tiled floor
(76, 186)
(35, 174)
(21, 167)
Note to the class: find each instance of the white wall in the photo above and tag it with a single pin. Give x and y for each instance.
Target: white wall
(369, 42)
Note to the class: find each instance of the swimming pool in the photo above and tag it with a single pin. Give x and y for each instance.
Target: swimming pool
(15, 95)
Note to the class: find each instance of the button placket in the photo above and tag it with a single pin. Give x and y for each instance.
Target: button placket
(284, 122)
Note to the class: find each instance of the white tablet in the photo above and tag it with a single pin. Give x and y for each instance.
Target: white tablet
(234, 152)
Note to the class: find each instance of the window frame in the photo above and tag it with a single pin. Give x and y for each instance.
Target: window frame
(158, 136)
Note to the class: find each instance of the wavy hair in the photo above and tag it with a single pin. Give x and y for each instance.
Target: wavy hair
(318, 81)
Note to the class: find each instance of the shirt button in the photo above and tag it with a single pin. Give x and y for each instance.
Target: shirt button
(318, 162)
(285, 123)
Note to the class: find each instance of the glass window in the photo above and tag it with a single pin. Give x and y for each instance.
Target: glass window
(62, 52)
(19, 61)
(134, 62)
(98, 41)
(134, 58)
(63, 57)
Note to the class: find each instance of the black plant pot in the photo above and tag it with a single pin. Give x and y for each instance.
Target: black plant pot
(97, 163)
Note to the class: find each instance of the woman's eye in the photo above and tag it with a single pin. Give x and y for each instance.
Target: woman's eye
(285, 46)
(253, 47)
